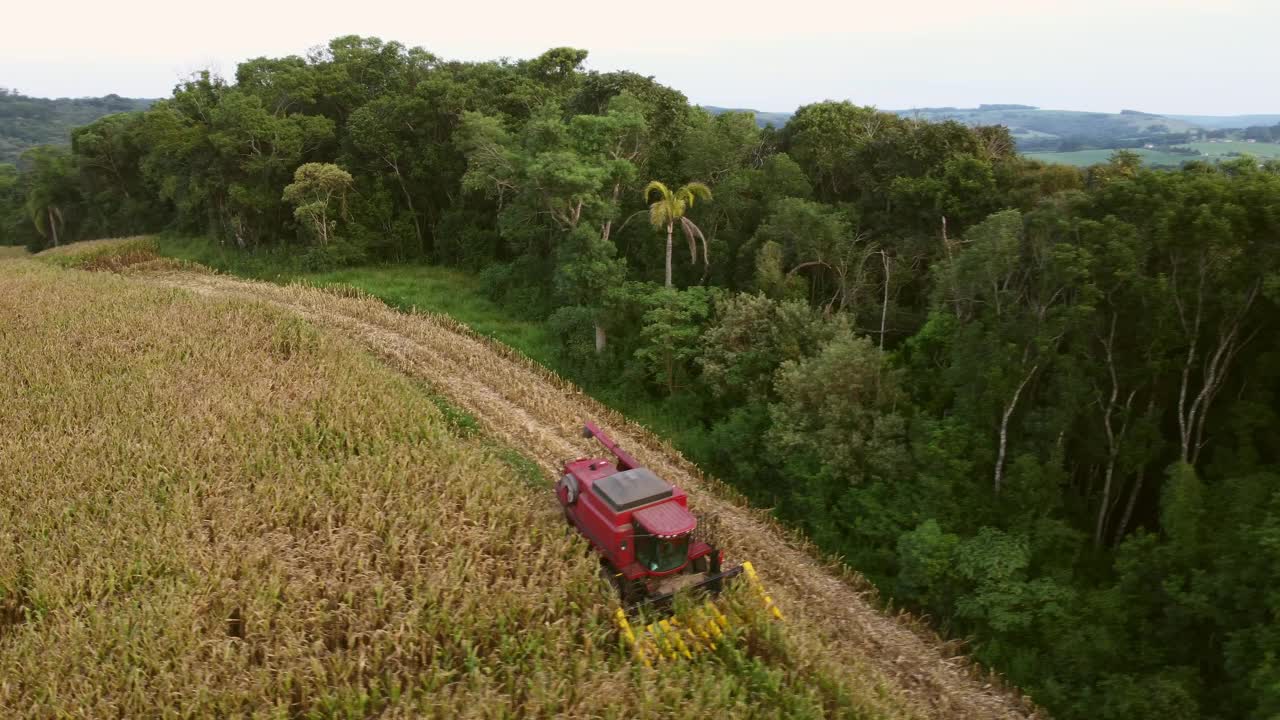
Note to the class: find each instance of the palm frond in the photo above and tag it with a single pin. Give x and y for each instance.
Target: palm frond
(663, 210)
(695, 190)
(661, 189)
(40, 221)
(658, 214)
(692, 231)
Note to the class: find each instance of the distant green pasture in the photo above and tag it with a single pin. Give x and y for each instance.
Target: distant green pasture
(1084, 158)
(1258, 150)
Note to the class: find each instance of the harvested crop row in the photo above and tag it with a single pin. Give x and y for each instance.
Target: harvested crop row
(215, 508)
(530, 408)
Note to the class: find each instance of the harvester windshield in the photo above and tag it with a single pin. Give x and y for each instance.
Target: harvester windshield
(662, 554)
(662, 536)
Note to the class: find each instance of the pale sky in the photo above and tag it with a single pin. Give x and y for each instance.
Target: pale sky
(1166, 56)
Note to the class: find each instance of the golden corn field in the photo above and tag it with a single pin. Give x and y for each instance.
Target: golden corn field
(233, 499)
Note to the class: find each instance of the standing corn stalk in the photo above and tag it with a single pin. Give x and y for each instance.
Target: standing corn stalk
(670, 208)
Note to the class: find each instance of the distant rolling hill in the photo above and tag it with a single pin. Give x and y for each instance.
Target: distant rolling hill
(1046, 129)
(1221, 122)
(1028, 123)
(763, 119)
(26, 122)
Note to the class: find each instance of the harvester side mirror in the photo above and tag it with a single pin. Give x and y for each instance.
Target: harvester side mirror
(586, 432)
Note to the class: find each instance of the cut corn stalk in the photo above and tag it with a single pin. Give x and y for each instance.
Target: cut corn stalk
(693, 633)
(759, 588)
(620, 619)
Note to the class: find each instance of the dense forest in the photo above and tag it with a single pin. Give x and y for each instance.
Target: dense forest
(1036, 403)
(26, 122)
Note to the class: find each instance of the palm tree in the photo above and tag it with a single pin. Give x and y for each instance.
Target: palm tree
(51, 186)
(45, 216)
(670, 208)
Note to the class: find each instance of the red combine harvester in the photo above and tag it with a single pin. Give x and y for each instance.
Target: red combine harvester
(640, 525)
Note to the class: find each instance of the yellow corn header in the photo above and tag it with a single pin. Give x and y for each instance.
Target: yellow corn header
(671, 639)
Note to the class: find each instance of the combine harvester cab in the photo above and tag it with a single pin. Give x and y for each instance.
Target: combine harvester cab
(641, 527)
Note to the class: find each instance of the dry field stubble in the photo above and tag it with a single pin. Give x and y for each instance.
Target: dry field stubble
(214, 507)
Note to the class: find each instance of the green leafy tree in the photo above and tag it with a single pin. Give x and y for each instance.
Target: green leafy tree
(926, 575)
(835, 422)
(12, 204)
(319, 195)
(119, 198)
(384, 131)
(1015, 295)
(667, 112)
(257, 152)
(571, 173)
(823, 137)
(752, 336)
(822, 242)
(672, 327)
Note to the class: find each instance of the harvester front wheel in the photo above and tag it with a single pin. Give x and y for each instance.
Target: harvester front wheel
(629, 591)
(634, 591)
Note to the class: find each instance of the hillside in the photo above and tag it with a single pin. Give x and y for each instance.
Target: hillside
(267, 517)
(1039, 129)
(29, 121)
(1027, 121)
(1036, 124)
(763, 119)
(1219, 122)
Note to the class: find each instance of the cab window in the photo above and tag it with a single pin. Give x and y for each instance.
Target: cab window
(661, 554)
